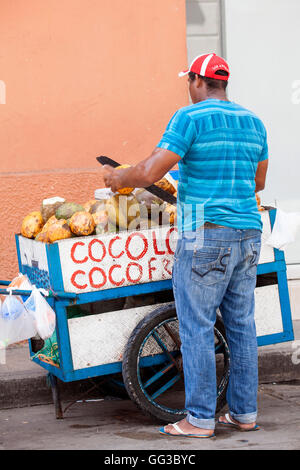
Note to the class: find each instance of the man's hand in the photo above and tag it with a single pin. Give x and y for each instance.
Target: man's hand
(112, 177)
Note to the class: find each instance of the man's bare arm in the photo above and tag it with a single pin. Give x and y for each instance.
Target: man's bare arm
(261, 173)
(144, 173)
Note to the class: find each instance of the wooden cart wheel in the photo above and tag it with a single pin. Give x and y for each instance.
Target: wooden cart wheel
(152, 365)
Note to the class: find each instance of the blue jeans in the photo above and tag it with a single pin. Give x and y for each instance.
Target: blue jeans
(216, 268)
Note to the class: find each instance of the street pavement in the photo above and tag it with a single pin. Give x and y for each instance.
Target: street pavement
(113, 425)
(27, 419)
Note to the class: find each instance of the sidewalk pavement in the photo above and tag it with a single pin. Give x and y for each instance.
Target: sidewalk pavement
(115, 426)
(24, 383)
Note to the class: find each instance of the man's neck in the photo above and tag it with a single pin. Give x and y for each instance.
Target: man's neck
(217, 95)
(214, 95)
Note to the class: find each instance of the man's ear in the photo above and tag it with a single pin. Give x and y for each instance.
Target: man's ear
(199, 81)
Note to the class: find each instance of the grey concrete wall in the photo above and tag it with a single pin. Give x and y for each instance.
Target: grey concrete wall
(204, 27)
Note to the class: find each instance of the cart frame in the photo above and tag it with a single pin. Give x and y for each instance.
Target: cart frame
(60, 300)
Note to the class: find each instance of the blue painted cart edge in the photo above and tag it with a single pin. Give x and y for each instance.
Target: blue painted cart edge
(66, 372)
(54, 265)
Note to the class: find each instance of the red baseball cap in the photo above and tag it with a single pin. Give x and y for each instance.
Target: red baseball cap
(207, 65)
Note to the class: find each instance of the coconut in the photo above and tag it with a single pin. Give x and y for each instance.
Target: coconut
(32, 224)
(66, 210)
(50, 206)
(82, 223)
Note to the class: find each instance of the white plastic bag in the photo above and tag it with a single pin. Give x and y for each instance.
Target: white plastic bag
(16, 324)
(284, 229)
(21, 281)
(44, 315)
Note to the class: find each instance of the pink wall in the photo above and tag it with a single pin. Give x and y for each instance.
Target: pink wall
(83, 78)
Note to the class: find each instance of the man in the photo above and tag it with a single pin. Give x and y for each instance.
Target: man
(222, 153)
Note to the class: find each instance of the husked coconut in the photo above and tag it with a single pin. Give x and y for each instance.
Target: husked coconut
(122, 210)
(50, 206)
(87, 205)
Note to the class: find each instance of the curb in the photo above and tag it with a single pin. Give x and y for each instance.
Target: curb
(279, 364)
(29, 389)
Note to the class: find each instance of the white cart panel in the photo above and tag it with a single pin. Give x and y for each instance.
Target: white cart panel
(101, 339)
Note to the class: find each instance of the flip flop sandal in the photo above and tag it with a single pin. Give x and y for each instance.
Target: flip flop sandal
(231, 424)
(182, 433)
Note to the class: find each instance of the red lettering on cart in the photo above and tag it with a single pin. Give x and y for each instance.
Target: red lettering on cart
(166, 263)
(170, 251)
(115, 283)
(142, 236)
(140, 272)
(110, 247)
(156, 251)
(103, 250)
(101, 284)
(73, 253)
(73, 277)
(151, 268)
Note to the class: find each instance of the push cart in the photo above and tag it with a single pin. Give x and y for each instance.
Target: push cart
(126, 326)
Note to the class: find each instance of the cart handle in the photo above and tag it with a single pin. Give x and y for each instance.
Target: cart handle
(27, 293)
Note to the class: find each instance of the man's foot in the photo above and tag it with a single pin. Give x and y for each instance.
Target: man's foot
(229, 420)
(187, 428)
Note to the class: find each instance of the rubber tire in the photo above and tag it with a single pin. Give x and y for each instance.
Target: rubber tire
(129, 366)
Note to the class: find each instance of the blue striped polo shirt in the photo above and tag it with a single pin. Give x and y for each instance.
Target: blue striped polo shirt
(220, 144)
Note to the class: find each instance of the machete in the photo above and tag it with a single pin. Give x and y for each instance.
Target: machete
(161, 193)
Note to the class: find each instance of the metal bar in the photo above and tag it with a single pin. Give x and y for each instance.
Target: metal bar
(165, 349)
(54, 264)
(273, 266)
(171, 334)
(275, 338)
(15, 292)
(165, 387)
(158, 375)
(220, 346)
(284, 299)
(21, 267)
(114, 293)
(58, 372)
(80, 397)
(155, 360)
(62, 295)
(56, 396)
(63, 338)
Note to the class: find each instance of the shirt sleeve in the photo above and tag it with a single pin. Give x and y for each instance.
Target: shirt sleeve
(179, 134)
(264, 153)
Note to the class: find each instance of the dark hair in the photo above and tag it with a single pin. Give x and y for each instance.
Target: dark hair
(212, 83)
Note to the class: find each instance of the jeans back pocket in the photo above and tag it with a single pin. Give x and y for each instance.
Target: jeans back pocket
(209, 264)
(252, 260)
